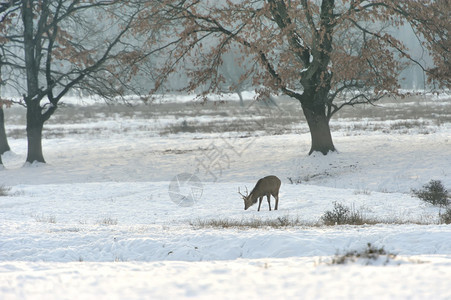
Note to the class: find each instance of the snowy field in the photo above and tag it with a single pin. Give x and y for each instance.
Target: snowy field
(105, 218)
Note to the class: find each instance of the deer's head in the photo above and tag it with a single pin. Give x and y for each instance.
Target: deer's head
(247, 199)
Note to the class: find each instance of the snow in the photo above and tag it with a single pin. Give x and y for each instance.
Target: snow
(97, 221)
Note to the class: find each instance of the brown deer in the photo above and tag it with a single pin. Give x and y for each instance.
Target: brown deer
(266, 186)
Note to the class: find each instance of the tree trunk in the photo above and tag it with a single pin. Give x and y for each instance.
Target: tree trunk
(241, 98)
(4, 147)
(34, 134)
(32, 51)
(34, 137)
(318, 123)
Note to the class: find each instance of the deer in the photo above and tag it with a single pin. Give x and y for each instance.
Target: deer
(265, 186)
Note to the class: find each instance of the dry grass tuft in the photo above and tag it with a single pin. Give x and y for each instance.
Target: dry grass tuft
(280, 222)
(4, 190)
(367, 255)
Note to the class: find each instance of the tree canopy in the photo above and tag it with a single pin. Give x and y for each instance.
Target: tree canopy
(52, 47)
(325, 54)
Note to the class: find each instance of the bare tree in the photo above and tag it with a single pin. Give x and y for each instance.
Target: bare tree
(326, 54)
(235, 74)
(6, 8)
(52, 47)
(4, 146)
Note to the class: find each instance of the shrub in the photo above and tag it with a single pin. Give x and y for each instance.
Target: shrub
(341, 215)
(445, 218)
(433, 192)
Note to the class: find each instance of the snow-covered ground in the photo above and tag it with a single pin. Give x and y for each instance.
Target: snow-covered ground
(99, 220)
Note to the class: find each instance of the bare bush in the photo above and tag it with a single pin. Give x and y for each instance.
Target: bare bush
(342, 214)
(434, 193)
(445, 218)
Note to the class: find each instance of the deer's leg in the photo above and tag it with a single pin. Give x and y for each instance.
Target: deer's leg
(269, 200)
(277, 201)
(259, 203)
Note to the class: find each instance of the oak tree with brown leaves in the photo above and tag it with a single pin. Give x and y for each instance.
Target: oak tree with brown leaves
(325, 54)
(53, 47)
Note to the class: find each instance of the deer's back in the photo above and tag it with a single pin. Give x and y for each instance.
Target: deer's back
(268, 184)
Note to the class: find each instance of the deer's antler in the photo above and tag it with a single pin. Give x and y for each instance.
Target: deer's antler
(247, 193)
